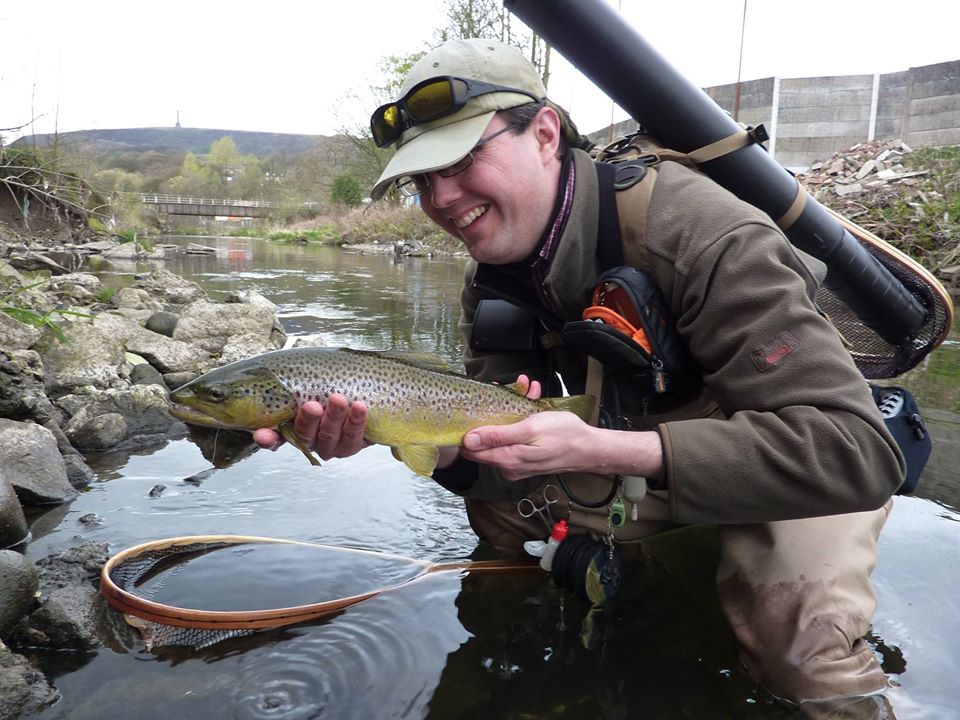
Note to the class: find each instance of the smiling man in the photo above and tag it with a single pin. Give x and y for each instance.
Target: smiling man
(777, 441)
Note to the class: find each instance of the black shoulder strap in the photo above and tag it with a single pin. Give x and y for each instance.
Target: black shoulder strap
(609, 249)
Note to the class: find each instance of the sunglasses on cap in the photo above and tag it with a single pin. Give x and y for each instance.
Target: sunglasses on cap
(428, 101)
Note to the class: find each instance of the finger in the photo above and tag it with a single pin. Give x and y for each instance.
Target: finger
(329, 432)
(267, 439)
(536, 390)
(307, 421)
(351, 433)
(494, 436)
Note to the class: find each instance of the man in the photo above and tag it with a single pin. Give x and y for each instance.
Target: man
(784, 449)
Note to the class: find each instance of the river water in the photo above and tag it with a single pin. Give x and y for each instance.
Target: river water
(455, 645)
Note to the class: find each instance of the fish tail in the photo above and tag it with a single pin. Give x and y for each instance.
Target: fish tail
(582, 406)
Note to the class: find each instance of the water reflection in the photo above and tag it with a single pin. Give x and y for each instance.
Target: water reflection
(505, 646)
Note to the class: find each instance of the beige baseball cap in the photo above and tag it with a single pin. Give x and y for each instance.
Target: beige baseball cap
(439, 144)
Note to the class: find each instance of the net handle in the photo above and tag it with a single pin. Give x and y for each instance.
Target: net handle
(275, 617)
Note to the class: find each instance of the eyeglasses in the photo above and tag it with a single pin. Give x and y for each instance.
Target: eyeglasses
(413, 185)
(428, 101)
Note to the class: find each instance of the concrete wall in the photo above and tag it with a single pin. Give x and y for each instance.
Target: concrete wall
(809, 119)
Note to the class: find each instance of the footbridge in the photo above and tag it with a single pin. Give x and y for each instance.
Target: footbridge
(210, 207)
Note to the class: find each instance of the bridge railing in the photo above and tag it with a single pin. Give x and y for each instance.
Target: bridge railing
(159, 199)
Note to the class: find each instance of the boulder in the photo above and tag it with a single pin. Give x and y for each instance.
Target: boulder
(33, 463)
(167, 287)
(163, 323)
(211, 325)
(24, 691)
(136, 299)
(13, 524)
(89, 356)
(104, 419)
(19, 583)
(164, 353)
(15, 335)
(22, 395)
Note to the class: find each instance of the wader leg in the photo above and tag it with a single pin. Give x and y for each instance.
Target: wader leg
(797, 594)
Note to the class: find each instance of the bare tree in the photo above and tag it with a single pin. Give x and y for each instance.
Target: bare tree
(489, 19)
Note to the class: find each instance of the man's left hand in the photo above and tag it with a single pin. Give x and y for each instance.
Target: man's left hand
(545, 443)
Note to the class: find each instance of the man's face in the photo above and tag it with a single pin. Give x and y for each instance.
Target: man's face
(500, 205)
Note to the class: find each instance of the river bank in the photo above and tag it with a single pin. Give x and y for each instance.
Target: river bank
(85, 368)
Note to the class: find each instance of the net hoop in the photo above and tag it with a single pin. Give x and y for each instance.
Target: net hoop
(162, 614)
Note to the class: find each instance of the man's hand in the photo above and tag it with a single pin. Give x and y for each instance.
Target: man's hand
(557, 442)
(545, 443)
(331, 433)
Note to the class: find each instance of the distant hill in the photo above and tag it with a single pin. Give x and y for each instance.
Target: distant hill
(179, 140)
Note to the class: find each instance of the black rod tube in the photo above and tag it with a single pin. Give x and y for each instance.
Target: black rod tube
(597, 40)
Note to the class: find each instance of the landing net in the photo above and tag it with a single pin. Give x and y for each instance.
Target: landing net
(201, 589)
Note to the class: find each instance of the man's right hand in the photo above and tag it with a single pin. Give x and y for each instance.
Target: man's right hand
(332, 432)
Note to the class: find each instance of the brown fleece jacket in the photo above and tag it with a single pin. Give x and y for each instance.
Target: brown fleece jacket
(786, 427)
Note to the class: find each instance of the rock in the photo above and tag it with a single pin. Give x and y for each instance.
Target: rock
(251, 297)
(136, 299)
(98, 432)
(13, 524)
(75, 617)
(174, 380)
(164, 353)
(33, 261)
(78, 472)
(76, 566)
(243, 346)
(19, 583)
(314, 340)
(146, 374)
(209, 325)
(15, 335)
(90, 356)
(125, 251)
(24, 691)
(198, 249)
(167, 287)
(22, 394)
(90, 283)
(33, 463)
(141, 409)
(162, 323)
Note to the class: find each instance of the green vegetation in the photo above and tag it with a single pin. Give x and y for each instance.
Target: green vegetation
(12, 305)
(346, 190)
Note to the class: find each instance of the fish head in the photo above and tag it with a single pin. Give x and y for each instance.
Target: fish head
(244, 395)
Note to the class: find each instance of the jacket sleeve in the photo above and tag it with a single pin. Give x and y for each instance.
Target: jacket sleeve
(802, 436)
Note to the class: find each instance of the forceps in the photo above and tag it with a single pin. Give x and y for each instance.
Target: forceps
(527, 507)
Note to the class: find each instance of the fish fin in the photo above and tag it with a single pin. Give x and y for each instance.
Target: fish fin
(518, 388)
(580, 405)
(286, 429)
(422, 459)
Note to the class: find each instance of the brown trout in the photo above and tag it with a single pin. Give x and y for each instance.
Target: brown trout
(416, 404)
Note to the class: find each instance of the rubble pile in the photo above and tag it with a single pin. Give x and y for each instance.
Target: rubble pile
(900, 198)
(861, 168)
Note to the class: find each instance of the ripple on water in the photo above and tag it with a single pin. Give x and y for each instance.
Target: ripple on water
(376, 656)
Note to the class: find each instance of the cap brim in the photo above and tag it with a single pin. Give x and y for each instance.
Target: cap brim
(433, 150)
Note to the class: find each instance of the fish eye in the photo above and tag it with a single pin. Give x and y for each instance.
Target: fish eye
(217, 393)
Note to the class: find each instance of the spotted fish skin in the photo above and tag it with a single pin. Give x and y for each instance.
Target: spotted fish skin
(414, 404)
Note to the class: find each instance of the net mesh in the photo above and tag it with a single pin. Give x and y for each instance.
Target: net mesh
(874, 356)
(127, 575)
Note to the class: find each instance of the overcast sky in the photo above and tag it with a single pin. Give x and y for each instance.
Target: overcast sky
(284, 66)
